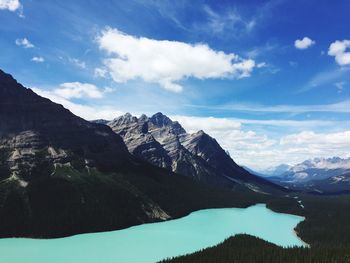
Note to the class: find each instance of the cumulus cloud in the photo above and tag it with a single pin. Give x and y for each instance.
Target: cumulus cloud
(167, 62)
(24, 42)
(38, 59)
(304, 43)
(87, 112)
(72, 90)
(11, 5)
(338, 49)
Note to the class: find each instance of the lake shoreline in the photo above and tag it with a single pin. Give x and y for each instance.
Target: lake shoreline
(152, 242)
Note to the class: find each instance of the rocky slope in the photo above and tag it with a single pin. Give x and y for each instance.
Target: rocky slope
(165, 143)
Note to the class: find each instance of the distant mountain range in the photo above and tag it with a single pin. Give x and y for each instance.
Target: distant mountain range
(276, 170)
(319, 175)
(165, 143)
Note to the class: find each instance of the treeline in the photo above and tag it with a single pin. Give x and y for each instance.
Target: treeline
(249, 249)
(327, 220)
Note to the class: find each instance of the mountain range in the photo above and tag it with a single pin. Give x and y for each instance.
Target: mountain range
(318, 174)
(62, 175)
(165, 143)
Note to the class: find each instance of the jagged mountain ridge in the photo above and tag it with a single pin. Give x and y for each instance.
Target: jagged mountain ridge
(165, 143)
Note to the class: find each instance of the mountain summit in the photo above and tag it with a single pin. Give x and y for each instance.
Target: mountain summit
(165, 143)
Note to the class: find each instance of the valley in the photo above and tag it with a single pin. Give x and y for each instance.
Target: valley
(62, 176)
(159, 131)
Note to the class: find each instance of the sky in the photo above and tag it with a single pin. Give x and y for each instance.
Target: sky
(270, 80)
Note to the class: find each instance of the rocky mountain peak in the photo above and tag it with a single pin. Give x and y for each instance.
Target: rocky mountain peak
(143, 118)
(160, 120)
(123, 120)
(164, 142)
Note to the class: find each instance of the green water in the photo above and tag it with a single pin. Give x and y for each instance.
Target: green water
(153, 242)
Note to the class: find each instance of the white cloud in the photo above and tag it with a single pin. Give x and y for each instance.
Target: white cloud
(340, 86)
(193, 124)
(38, 59)
(87, 112)
(262, 65)
(318, 139)
(80, 90)
(228, 21)
(11, 5)
(325, 78)
(338, 50)
(242, 145)
(309, 144)
(340, 107)
(77, 62)
(166, 62)
(304, 43)
(24, 42)
(100, 72)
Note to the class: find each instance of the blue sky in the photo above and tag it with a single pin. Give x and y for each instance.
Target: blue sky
(269, 79)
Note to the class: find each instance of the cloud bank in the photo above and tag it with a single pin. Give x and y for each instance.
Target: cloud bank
(167, 62)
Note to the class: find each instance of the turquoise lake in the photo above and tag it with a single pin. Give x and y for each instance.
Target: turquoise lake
(153, 242)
